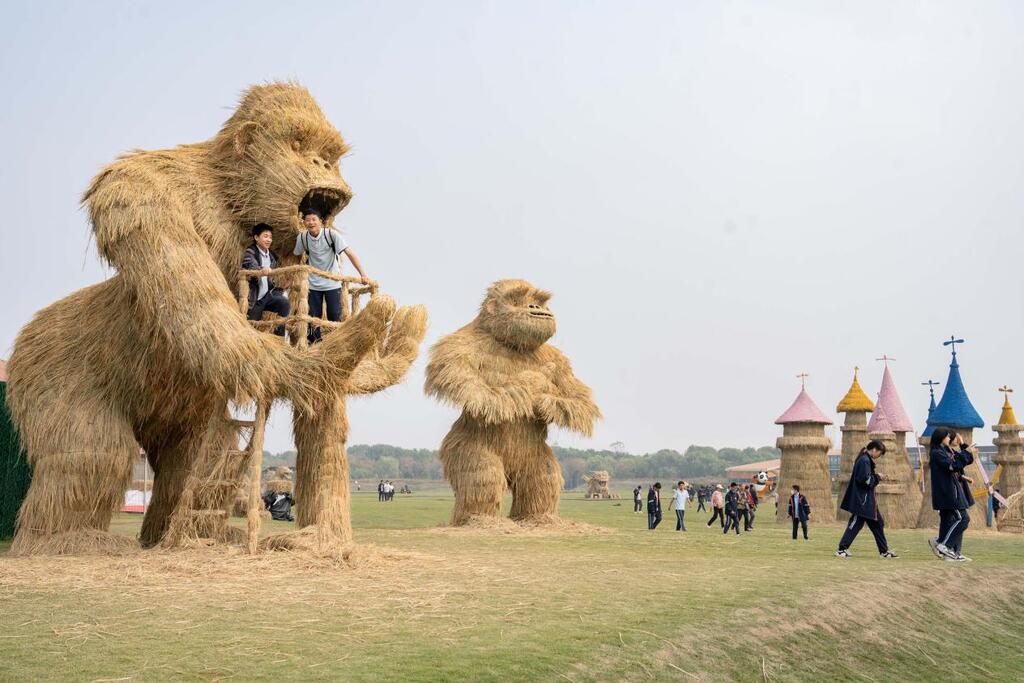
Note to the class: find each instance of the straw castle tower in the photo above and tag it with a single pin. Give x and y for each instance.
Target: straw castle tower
(804, 457)
(955, 411)
(896, 466)
(856, 405)
(893, 493)
(1010, 455)
(925, 514)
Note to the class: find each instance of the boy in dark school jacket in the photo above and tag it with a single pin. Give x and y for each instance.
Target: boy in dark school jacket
(732, 510)
(799, 510)
(654, 506)
(859, 501)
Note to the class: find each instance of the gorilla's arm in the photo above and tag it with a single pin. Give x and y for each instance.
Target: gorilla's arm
(567, 402)
(398, 353)
(462, 372)
(145, 230)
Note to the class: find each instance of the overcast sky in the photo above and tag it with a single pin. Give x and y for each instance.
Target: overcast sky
(720, 194)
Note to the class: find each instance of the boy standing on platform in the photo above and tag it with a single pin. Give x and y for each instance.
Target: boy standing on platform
(323, 248)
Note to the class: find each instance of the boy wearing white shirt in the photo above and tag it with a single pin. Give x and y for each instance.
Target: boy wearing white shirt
(323, 249)
(680, 497)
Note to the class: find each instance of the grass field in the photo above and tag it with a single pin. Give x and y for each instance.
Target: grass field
(429, 603)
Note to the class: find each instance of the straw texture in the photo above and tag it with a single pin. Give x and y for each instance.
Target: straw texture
(597, 485)
(510, 385)
(804, 461)
(152, 356)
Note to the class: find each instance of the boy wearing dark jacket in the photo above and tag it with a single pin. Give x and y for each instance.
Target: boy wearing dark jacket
(264, 295)
(654, 506)
(732, 511)
(799, 510)
(859, 501)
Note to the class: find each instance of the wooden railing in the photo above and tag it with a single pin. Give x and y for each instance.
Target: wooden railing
(296, 280)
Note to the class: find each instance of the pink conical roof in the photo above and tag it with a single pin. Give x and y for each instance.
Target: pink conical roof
(803, 410)
(879, 422)
(890, 404)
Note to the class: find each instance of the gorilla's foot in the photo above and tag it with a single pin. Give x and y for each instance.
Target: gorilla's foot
(79, 542)
(312, 539)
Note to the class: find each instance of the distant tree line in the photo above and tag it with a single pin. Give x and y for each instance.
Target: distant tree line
(381, 461)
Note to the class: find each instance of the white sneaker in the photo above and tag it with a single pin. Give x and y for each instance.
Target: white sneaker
(933, 543)
(888, 555)
(946, 552)
(963, 558)
(842, 553)
(956, 559)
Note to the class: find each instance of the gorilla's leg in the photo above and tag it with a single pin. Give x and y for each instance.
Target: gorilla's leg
(536, 482)
(475, 474)
(321, 471)
(81, 453)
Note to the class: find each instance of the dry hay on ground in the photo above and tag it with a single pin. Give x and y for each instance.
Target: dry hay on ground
(200, 567)
(546, 526)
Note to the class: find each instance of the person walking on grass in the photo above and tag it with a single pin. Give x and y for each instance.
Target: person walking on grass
(702, 497)
(732, 510)
(654, 506)
(948, 457)
(859, 501)
(717, 505)
(638, 501)
(799, 510)
(743, 506)
(680, 497)
(752, 492)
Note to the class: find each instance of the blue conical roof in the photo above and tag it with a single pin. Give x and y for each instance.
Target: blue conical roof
(955, 409)
(928, 429)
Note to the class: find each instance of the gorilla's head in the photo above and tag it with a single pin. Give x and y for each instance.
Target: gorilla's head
(516, 314)
(278, 155)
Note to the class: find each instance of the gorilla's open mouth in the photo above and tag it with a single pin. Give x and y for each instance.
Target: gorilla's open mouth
(326, 200)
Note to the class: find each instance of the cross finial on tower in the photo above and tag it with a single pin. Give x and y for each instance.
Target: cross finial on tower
(953, 341)
(1006, 390)
(931, 386)
(856, 369)
(803, 379)
(885, 359)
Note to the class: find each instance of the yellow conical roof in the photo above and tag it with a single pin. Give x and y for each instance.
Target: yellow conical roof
(855, 400)
(1007, 417)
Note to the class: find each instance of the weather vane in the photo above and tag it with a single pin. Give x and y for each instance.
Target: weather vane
(1006, 390)
(885, 359)
(931, 386)
(803, 379)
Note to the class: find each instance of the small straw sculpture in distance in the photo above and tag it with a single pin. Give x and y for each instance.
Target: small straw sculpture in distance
(510, 385)
(597, 485)
(151, 356)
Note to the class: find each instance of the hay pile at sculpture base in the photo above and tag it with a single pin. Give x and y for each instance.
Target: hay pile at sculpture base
(537, 526)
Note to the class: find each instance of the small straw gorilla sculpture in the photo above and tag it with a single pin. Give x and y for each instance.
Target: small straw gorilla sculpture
(151, 356)
(510, 385)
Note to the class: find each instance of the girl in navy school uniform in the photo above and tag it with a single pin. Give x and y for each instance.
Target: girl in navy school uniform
(859, 501)
(948, 457)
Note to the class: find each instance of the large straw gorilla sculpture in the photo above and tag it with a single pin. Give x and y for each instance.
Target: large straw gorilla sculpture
(510, 385)
(151, 356)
